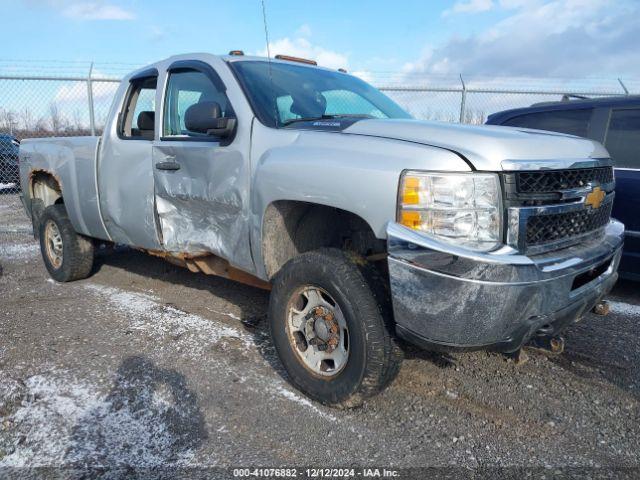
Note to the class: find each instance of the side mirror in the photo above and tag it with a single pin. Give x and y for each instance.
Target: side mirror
(206, 117)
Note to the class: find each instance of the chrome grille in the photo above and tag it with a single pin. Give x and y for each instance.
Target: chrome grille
(543, 229)
(546, 181)
(546, 209)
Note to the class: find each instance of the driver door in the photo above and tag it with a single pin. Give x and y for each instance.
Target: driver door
(201, 181)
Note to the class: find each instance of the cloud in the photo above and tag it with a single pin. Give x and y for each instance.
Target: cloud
(84, 10)
(96, 11)
(302, 47)
(304, 30)
(537, 38)
(469, 6)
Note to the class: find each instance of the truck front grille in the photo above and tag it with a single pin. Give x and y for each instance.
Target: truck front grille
(547, 228)
(547, 181)
(546, 209)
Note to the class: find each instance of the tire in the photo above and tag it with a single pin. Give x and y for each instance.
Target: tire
(37, 208)
(67, 255)
(373, 357)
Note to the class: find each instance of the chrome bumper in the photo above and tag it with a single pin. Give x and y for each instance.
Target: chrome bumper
(447, 296)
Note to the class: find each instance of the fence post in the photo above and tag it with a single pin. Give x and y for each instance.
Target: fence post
(463, 100)
(92, 120)
(626, 92)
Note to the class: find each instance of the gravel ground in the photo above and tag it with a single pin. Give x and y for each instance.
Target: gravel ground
(145, 364)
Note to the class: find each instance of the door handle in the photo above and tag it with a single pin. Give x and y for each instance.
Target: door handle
(172, 166)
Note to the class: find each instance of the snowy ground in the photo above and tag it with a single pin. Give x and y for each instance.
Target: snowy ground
(147, 365)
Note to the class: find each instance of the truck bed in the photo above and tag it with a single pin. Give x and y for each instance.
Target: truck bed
(72, 160)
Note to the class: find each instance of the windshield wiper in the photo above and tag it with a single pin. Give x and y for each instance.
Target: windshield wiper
(326, 117)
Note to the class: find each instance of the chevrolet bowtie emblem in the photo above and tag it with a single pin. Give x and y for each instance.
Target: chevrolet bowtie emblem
(595, 197)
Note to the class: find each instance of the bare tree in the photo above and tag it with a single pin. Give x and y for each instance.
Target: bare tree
(55, 117)
(27, 119)
(8, 122)
(77, 121)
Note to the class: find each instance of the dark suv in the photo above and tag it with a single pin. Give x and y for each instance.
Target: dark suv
(9, 171)
(613, 121)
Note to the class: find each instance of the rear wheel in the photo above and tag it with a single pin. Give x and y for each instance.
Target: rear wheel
(67, 255)
(330, 328)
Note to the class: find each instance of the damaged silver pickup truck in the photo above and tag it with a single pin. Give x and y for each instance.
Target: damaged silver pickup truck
(365, 224)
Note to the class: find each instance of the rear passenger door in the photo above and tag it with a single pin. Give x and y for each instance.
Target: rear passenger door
(125, 178)
(201, 180)
(623, 143)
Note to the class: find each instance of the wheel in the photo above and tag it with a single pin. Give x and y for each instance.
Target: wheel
(67, 255)
(331, 328)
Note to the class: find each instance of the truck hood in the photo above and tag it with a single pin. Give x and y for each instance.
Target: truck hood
(485, 146)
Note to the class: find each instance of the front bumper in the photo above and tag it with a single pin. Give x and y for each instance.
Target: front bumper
(449, 297)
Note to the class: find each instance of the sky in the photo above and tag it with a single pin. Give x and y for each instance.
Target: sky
(563, 38)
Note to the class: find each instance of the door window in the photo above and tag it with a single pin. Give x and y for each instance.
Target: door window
(184, 89)
(572, 122)
(138, 119)
(623, 138)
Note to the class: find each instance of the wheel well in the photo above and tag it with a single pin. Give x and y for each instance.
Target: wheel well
(46, 187)
(292, 227)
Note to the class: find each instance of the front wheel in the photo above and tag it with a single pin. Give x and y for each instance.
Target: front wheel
(67, 255)
(331, 329)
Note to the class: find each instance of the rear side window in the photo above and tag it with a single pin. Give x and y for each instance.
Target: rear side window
(572, 122)
(623, 138)
(138, 116)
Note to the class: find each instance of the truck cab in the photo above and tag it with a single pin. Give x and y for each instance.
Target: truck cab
(366, 224)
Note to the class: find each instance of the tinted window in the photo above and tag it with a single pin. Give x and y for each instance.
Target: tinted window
(186, 88)
(623, 138)
(572, 122)
(139, 113)
(280, 91)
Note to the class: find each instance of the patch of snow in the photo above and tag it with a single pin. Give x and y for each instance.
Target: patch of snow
(625, 308)
(64, 421)
(7, 185)
(147, 313)
(19, 250)
(289, 395)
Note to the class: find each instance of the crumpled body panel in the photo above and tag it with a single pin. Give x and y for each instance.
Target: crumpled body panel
(201, 207)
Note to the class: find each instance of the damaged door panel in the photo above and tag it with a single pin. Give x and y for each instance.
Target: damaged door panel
(200, 206)
(201, 178)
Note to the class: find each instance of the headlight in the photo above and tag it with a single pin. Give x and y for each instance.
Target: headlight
(459, 208)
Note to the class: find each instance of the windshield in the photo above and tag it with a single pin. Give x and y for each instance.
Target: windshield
(299, 93)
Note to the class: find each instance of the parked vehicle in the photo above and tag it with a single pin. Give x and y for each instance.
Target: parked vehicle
(613, 121)
(9, 171)
(363, 222)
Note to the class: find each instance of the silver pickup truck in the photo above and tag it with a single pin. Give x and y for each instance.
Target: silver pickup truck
(365, 224)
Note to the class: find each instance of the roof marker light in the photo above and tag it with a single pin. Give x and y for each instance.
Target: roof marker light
(296, 59)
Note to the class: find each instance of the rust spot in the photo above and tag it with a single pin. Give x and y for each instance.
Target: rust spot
(210, 264)
(41, 171)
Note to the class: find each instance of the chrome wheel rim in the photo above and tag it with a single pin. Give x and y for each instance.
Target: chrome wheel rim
(53, 243)
(317, 331)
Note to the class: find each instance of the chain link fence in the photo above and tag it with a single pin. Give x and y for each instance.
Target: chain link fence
(58, 105)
